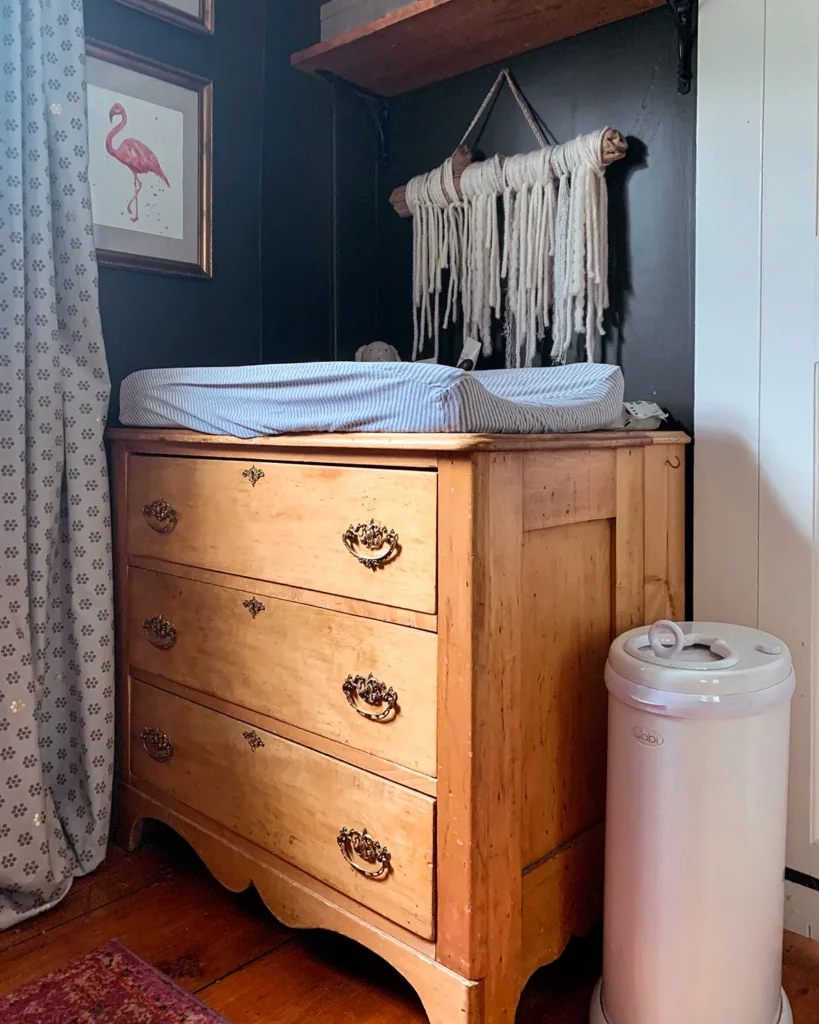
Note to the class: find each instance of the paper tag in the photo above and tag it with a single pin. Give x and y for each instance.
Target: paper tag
(470, 353)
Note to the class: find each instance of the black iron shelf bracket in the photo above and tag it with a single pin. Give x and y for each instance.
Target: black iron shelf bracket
(685, 15)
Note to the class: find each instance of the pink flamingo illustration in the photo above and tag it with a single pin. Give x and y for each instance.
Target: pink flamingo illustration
(135, 155)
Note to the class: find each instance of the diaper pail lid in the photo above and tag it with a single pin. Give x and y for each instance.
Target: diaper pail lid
(700, 658)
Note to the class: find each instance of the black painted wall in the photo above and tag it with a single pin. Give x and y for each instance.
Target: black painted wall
(624, 76)
(159, 320)
(297, 193)
(321, 204)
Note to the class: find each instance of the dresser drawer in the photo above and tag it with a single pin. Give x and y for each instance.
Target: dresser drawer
(300, 525)
(302, 665)
(290, 800)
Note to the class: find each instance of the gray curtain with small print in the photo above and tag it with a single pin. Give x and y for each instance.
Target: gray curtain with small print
(56, 642)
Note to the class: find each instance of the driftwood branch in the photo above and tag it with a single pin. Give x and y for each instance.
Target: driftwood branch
(461, 159)
(614, 148)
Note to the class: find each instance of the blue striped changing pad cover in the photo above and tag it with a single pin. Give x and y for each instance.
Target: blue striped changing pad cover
(296, 398)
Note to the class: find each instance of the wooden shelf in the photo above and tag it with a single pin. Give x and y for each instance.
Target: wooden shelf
(430, 40)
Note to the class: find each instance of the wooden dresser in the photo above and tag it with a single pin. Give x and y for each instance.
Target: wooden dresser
(364, 673)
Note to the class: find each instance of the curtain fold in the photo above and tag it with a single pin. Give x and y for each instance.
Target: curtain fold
(56, 620)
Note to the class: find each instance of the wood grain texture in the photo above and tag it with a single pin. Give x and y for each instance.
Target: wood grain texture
(291, 801)
(562, 898)
(361, 759)
(568, 487)
(458, 935)
(193, 940)
(359, 446)
(236, 862)
(121, 876)
(290, 661)
(801, 977)
(313, 598)
(542, 551)
(481, 529)
(294, 899)
(670, 437)
(665, 532)
(568, 582)
(304, 976)
(431, 40)
(629, 543)
(222, 447)
(496, 629)
(316, 979)
(288, 527)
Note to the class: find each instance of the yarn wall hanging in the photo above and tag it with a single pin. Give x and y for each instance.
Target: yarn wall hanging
(523, 239)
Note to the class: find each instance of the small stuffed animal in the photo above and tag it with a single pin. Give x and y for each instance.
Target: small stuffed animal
(378, 352)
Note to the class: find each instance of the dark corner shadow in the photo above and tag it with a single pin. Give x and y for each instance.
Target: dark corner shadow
(620, 283)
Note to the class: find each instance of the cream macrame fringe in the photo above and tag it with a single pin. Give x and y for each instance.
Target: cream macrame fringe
(553, 254)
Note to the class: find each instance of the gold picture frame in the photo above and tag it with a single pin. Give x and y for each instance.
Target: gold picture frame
(203, 22)
(191, 252)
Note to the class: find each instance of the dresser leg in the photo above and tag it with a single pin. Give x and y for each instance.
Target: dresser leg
(449, 999)
(473, 1011)
(129, 824)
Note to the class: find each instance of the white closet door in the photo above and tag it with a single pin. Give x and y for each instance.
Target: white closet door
(756, 512)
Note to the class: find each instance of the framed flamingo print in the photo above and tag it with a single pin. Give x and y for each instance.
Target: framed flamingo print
(150, 137)
(195, 14)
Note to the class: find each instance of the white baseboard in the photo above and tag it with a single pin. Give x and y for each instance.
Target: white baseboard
(802, 910)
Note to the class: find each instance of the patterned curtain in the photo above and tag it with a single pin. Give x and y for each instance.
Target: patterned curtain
(56, 644)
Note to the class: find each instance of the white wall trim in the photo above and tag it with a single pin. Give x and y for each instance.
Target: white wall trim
(802, 910)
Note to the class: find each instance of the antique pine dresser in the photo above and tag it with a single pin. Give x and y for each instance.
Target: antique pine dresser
(363, 673)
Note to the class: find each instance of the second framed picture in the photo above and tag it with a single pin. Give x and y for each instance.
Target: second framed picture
(195, 14)
(150, 135)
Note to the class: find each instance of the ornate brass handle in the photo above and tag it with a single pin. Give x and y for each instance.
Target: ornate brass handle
(159, 632)
(351, 841)
(160, 515)
(373, 693)
(374, 537)
(157, 744)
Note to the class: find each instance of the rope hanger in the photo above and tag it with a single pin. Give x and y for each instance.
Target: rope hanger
(506, 76)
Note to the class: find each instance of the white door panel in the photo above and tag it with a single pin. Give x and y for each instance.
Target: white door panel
(756, 557)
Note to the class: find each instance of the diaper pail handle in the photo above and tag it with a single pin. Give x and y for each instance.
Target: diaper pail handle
(653, 647)
(660, 628)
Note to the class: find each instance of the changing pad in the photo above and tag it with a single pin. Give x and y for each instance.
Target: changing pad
(290, 398)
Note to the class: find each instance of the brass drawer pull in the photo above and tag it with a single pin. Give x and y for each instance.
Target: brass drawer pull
(374, 537)
(254, 740)
(160, 633)
(253, 606)
(157, 744)
(351, 841)
(374, 694)
(253, 475)
(160, 515)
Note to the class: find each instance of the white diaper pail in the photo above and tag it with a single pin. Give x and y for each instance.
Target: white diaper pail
(699, 720)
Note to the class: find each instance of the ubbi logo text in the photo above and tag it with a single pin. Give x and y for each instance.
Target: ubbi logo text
(646, 737)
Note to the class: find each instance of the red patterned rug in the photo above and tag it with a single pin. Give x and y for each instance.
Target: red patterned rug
(110, 985)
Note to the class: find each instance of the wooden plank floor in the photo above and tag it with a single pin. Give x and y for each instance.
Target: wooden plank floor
(228, 949)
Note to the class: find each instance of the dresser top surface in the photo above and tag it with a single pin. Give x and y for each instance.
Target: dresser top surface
(402, 442)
